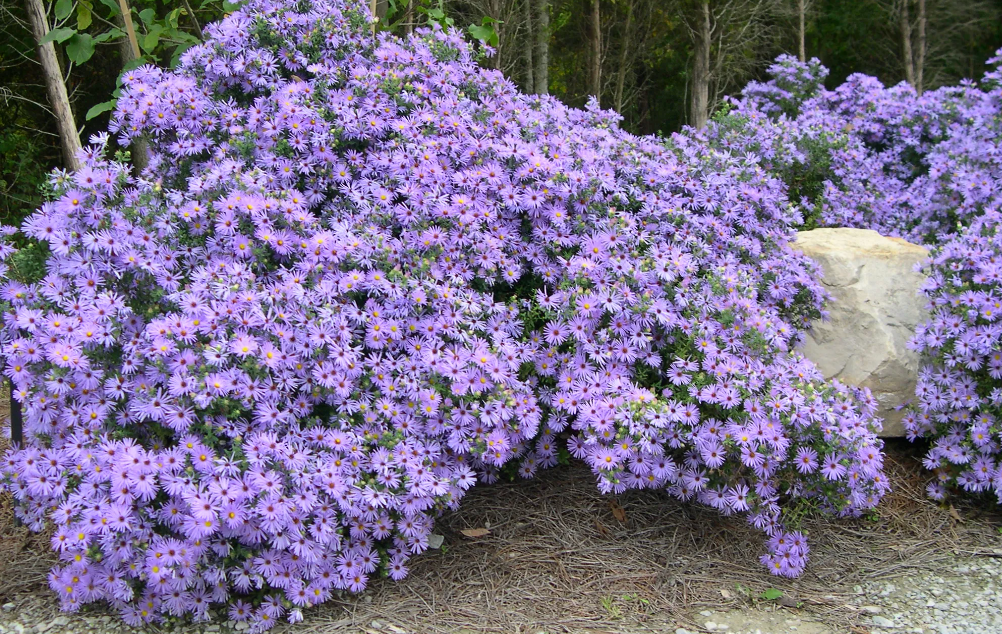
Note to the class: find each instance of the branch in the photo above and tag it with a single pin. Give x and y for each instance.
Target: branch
(194, 19)
(8, 95)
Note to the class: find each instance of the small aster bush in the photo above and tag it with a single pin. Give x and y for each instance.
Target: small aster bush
(959, 395)
(862, 155)
(362, 274)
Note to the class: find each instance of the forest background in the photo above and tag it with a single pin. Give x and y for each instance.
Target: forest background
(661, 64)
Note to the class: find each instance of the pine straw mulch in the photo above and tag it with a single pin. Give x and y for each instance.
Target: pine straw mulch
(560, 557)
(25, 557)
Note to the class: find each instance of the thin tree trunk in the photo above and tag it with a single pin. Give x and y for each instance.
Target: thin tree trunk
(409, 17)
(125, 23)
(58, 99)
(906, 43)
(140, 150)
(530, 86)
(802, 48)
(621, 75)
(644, 101)
(595, 72)
(701, 70)
(541, 56)
(920, 54)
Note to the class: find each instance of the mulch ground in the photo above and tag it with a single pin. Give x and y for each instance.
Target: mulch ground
(560, 557)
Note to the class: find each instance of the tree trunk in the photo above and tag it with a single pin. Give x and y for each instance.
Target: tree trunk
(409, 17)
(644, 125)
(541, 56)
(906, 43)
(58, 99)
(125, 23)
(920, 54)
(802, 48)
(139, 150)
(700, 105)
(530, 85)
(621, 75)
(595, 72)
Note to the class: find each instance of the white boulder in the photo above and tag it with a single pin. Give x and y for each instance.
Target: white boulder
(876, 308)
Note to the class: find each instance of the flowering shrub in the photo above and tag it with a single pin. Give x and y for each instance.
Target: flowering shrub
(922, 167)
(860, 155)
(959, 398)
(362, 274)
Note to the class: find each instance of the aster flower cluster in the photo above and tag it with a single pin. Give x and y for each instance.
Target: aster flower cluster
(959, 398)
(362, 274)
(864, 155)
(926, 168)
(959, 395)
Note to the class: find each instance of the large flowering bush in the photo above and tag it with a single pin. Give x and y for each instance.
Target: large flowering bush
(362, 274)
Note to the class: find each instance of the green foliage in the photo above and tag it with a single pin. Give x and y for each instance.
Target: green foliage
(28, 264)
(63, 9)
(485, 31)
(80, 47)
(104, 106)
(435, 14)
(58, 35)
(24, 162)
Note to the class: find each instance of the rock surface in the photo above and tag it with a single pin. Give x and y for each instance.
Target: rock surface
(874, 313)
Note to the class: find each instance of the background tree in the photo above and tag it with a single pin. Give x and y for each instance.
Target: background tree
(659, 63)
(52, 75)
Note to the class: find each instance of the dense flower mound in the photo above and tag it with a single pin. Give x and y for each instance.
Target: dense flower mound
(362, 274)
(926, 168)
(960, 397)
(865, 155)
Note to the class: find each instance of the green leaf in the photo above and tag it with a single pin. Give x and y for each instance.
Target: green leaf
(172, 17)
(111, 34)
(183, 37)
(58, 35)
(63, 9)
(484, 33)
(104, 106)
(79, 48)
(771, 594)
(112, 6)
(147, 16)
(150, 41)
(391, 10)
(134, 64)
(84, 15)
